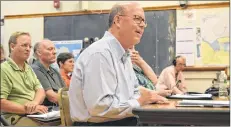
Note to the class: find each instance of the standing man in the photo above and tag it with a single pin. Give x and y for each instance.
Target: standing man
(49, 77)
(21, 91)
(172, 77)
(103, 88)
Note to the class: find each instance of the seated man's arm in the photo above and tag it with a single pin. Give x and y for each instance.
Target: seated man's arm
(39, 96)
(171, 83)
(50, 94)
(40, 93)
(11, 107)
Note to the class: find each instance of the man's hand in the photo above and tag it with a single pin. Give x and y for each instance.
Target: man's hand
(30, 106)
(40, 109)
(150, 96)
(164, 92)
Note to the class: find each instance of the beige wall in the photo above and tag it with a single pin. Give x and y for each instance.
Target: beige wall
(26, 25)
(199, 81)
(33, 7)
(109, 4)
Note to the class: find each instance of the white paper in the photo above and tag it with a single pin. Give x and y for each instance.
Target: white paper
(185, 47)
(53, 114)
(191, 96)
(185, 34)
(204, 102)
(185, 43)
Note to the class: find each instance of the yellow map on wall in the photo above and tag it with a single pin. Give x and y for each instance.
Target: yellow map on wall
(214, 48)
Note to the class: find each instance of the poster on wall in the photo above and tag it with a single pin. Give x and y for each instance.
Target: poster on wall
(72, 46)
(215, 44)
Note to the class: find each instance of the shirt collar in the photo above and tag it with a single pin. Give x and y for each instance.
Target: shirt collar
(43, 67)
(116, 47)
(15, 66)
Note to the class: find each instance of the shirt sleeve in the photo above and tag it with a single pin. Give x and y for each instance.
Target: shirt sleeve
(104, 102)
(43, 79)
(6, 85)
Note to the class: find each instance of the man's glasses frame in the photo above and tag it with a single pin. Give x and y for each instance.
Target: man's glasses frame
(137, 19)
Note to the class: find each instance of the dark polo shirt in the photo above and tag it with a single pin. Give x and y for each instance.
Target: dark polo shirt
(49, 79)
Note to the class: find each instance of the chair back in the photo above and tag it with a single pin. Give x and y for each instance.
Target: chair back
(3, 121)
(63, 101)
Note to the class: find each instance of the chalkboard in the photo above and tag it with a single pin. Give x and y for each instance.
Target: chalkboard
(157, 46)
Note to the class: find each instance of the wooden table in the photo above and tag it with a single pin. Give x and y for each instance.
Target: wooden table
(170, 114)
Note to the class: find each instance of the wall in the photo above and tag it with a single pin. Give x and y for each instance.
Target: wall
(26, 25)
(199, 81)
(108, 4)
(33, 7)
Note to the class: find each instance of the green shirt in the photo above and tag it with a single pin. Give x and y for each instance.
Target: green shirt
(143, 80)
(18, 85)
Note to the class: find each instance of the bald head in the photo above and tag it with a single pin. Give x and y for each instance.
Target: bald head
(45, 51)
(180, 63)
(121, 9)
(38, 46)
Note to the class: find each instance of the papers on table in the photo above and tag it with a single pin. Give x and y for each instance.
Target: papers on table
(191, 96)
(203, 103)
(52, 114)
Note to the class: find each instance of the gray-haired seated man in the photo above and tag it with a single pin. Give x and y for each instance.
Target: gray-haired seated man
(47, 75)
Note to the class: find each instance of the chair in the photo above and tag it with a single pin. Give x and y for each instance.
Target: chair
(3, 121)
(63, 100)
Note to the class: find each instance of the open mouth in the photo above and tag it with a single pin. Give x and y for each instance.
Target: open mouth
(138, 32)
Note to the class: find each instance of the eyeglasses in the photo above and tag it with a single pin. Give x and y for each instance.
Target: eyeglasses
(181, 64)
(137, 19)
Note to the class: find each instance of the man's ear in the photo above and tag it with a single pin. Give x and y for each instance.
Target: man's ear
(12, 46)
(117, 21)
(38, 52)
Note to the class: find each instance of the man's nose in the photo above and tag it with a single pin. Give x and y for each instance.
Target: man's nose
(54, 52)
(28, 48)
